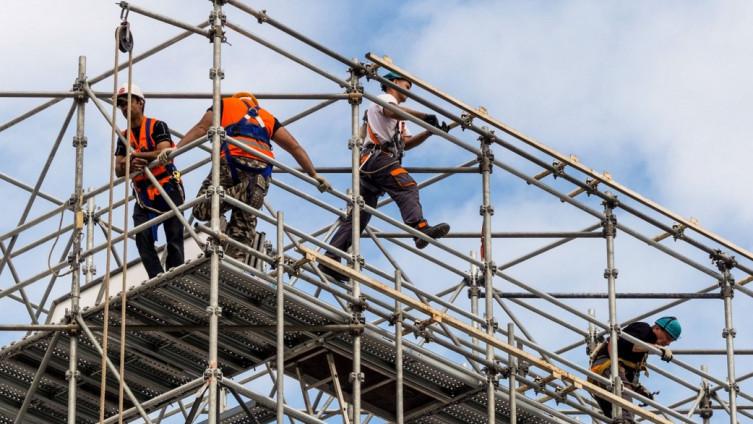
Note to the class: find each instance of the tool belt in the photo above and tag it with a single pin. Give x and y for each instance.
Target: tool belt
(146, 193)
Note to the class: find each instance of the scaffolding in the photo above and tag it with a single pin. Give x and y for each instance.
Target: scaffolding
(210, 337)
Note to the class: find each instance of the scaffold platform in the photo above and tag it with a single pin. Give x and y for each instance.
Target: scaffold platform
(165, 360)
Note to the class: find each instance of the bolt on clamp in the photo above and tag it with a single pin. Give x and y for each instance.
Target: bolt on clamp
(214, 310)
(353, 376)
(611, 273)
(215, 373)
(729, 332)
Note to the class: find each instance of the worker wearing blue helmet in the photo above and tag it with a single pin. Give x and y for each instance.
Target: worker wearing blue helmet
(633, 358)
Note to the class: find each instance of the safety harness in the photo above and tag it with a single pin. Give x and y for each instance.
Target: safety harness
(254, 132)
(145, 192)
(373, 146)
(600, 363)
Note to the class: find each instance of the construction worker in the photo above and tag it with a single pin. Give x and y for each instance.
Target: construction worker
(245, 176)
(382, 171)
(632, 358)
(148, 138)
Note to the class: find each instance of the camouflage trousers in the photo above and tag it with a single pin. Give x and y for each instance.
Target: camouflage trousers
(249, 188)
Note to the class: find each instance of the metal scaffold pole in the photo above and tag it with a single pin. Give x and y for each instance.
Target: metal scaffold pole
(399, 401)
(76, 202)
(610, 274)
(726, 263)
(485, 165)
(513, 370)
(356, 377)
(216, 133)
(280, 365)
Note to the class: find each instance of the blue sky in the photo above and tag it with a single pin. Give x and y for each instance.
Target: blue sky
(657, 94)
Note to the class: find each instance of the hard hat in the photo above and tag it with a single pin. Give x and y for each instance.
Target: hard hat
(246, 95)
(135, 91)
(671, 325)
(392, 76)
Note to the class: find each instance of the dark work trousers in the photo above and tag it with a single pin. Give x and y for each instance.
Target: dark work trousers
(173, 232)
(628, 380)
(382, 173)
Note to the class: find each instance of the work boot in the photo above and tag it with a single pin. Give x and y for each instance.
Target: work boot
(331, 272)
(432, 231)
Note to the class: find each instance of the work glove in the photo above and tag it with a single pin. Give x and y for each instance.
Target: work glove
(323, 184)
(431, 119)
(164, 156)
(642, 390)
(666, 354)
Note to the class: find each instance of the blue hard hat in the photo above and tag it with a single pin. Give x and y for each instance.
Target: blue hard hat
(671, 325)
(392, 76)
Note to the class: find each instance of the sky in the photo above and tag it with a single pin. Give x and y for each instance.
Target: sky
(654, 93)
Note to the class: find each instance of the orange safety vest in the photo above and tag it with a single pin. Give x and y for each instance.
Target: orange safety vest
(145, 143)
(248, 123)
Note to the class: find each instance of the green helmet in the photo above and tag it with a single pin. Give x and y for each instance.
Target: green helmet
(671, 325)
(392, 76)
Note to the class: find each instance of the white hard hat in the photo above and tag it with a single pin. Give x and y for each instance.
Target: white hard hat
(135, 91)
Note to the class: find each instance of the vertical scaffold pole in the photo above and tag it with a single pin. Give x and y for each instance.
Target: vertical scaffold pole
(280, 316)
(76, 203)
(485, 166)
(704, 406)
(216, 133)
(726, 263)
(398, 351)
(610, 274)
(89, 269)
(512, 377)
(356, 377)
(473, 291)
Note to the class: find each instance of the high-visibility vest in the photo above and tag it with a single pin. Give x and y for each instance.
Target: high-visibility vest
(247, 123)
(145, 143)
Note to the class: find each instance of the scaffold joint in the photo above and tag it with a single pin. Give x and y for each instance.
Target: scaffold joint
(678, 231)
(72, 375)
(610, 201)
(484, 209)
(80, 141)
(216, 72)
(214, 310)
(466, 120)
(485, 157)
(723, 261)
(355, 94)
(591, 186)
(490, 321)
(211, 190)
(353, 376)
(213, 246)
(213, 373)
(558, 169)
(609, 224)
(217, 130)
(355, 143)
(357, 308)
(729, 332)
(262, 17)
(611, 273)
(616, 328)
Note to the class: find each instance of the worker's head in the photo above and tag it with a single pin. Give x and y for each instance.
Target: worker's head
(247, 96)
(667, 330)
(137, 100)
(398, 80)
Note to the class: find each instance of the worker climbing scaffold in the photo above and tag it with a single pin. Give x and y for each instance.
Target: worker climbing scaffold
(632, 359)
(382, 172)
(244, 175)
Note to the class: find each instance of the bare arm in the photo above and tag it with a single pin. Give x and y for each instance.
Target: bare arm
(290, 145)
(199, 130)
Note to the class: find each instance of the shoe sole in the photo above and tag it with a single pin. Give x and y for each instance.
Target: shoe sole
(439, 232)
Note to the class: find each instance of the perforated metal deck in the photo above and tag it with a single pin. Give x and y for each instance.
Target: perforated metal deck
(160, 361)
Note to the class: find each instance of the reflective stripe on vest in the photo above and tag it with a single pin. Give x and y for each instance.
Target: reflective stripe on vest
(250, 124)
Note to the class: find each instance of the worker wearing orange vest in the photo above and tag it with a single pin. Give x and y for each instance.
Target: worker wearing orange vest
(147, 139)
(632, 359)
(244, 175)
(382, 171)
